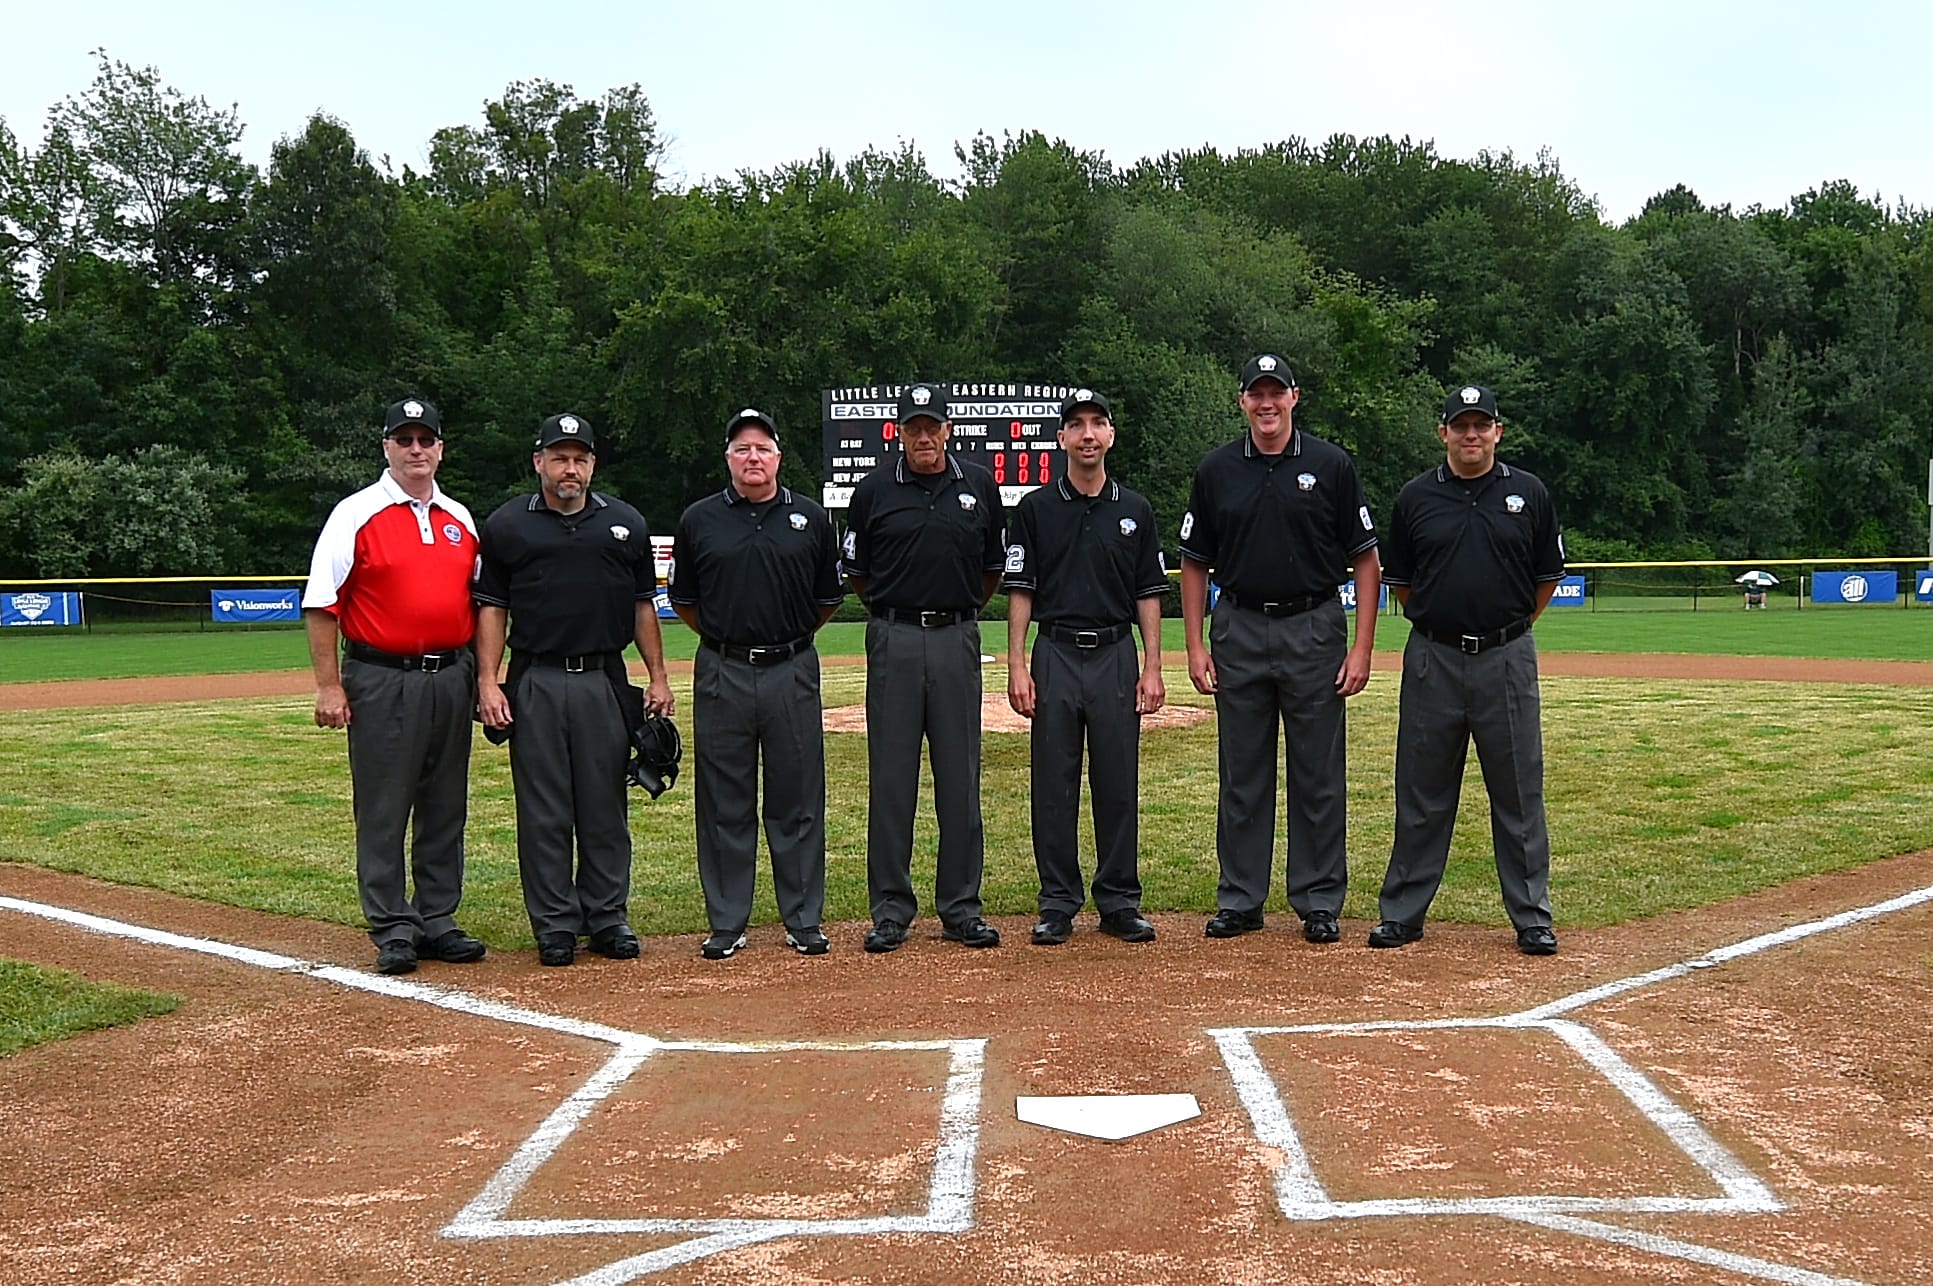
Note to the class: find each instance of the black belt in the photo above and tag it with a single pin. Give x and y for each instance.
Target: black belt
(925, 620)
(428, 662)
(1086, 638)
(589, 661)
(1475, 643)
(767, 654)
(1283, 607)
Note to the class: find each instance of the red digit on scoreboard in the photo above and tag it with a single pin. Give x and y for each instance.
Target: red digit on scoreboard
(1046, 468)
(999, 466)
(1014, 429)
(887, 430)
(1023, 468)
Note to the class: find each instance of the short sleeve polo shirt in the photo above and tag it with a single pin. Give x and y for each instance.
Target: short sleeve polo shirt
(1087, 559)
(759, 572)
(923, 542)
(1472, 551)
(571, 582)
(395, 571)
(1275, 527)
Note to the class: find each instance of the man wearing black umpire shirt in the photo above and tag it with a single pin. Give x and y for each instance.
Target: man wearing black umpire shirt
(1474, 554)
(567, 576)
(924, 547)
(1084, 562)
(1278, 518)
(755, 573)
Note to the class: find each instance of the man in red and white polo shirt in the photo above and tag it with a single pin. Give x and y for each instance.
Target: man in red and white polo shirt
(390, 583)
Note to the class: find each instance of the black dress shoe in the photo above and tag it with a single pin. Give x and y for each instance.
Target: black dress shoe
(973, 933)
(1537, 941)
(1320, 926)
(887, 935)
(616, 942)
(454, 947)
(556, 949)
(1392, 933)
(1128, 925)
(1232, 924)
(723, 944)
(1053, 929)
(396, 957)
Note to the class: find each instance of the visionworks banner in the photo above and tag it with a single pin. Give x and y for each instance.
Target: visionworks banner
(241, 606)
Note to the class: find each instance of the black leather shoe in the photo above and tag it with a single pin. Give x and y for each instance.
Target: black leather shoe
(1392, 933)
(723, 944)
(1320, 926)
(616, 943)
(1128, 925)
(887, 935)
(1537, 941)
(808, 942)
(556, 948)
(396, 957)
(973, 933)
(1232, 924)
(454, 947)
(1053, 929)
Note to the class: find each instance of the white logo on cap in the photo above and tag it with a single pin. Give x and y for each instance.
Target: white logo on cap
(967, 502)
(622, 533)
(1265, 363)
(1471, 396)
(1083, 395)
(1515, 504)
(797, 521)
(921, 396)
(568, 424)
(749, 414)
(1306, 481)
(412, 409)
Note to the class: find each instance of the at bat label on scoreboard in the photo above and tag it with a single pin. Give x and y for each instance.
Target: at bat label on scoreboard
(1008, 427)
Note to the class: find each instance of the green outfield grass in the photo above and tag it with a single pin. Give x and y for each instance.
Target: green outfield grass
(38, 1005)
(1852, 633)
(1663, 795)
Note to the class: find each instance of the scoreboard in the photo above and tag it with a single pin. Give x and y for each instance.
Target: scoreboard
(1008, 427)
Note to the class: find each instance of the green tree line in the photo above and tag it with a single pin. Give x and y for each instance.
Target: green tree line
(194, 354)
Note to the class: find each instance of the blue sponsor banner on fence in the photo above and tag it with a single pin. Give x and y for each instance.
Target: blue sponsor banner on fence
(36, 608)
(1855, 587)
(1349, 596)
(1569, 592)
(247, 606)
(1923, 586)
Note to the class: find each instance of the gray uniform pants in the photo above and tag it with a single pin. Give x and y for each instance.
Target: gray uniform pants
(568, 751)
(923, 684)
(1086, 695)
(409, 768)
(741, 713)
(1448, 699)
(1280, 672)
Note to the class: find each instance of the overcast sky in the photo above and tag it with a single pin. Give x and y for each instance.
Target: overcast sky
(1745, 103)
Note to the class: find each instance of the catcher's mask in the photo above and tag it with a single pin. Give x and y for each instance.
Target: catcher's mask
(656, 749)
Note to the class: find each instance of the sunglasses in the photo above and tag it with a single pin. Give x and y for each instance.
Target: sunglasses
(413, 439)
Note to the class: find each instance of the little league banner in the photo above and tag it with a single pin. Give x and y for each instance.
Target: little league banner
(250, 606)
(35, 608)
(1855, 587)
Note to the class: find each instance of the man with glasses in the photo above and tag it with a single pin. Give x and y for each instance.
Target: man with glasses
(924, 547)
(567, 578)
(1474, 555)
(389, 585)
(755, 573)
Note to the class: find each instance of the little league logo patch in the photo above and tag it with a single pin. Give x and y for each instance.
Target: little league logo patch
(921, 396)
(1127, 526)
(967, 502)
(452, 533)
(1306, 481)
(797, 521)
(1515, 504)
(1363, 513)
(621, 533)
(1471, 396)
(412, 409)
(568, 424)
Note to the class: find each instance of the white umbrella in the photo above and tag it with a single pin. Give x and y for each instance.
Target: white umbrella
(1756, 579)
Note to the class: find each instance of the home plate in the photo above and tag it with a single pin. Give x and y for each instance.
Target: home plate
(1107, 1116)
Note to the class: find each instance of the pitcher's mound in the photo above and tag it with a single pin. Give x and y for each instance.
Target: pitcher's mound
(997, 716)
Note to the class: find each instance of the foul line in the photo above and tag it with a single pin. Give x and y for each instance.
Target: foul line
(950, 1194)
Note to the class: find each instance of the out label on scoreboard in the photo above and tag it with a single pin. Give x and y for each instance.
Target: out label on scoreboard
(1009, 427)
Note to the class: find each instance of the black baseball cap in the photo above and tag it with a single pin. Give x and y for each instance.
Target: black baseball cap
(928, 400)
(566, 428)
(412, 410)
(1267, 366)
(1471, 397)
(1086, 397)
(751, 415)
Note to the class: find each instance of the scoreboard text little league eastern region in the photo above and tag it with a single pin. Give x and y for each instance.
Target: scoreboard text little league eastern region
(1008, 427)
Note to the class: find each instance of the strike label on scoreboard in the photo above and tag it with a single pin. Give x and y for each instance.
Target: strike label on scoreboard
(1007, 427)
